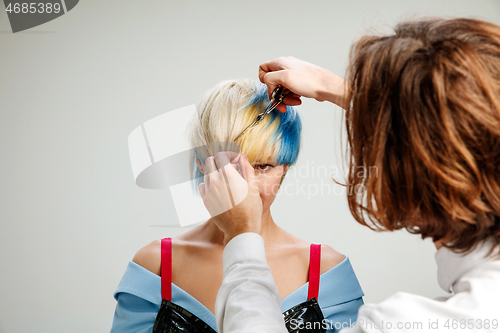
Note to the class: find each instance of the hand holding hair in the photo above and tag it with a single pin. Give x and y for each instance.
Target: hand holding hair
(233, 202)
(304, 80)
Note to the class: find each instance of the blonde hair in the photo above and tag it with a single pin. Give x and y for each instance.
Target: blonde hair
(230, 107)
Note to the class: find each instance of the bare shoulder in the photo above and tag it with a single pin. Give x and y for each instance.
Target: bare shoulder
(149, 257)
(329, 258)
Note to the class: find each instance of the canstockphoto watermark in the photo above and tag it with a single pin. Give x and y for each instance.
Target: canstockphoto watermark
(324, 187)
(28, 14)
(315, 180)
(313, 170)
(326, 324)
(438, 324)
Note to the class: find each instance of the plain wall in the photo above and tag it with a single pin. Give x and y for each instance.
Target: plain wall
(73, 89)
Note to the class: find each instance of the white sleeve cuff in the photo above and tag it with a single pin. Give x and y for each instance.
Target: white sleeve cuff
(245, 246)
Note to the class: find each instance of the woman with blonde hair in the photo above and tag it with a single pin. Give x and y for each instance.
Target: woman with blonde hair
(423, 107)
(171, 284)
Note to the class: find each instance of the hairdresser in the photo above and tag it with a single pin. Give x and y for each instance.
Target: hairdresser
(422, 105)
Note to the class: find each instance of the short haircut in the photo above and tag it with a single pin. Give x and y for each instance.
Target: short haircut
(227, 109)
(423, 131)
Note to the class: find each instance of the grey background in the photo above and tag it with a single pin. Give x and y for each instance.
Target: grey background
(73, 89)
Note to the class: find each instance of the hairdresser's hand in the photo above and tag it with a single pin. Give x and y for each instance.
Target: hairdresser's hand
(303, 79)
(235, 205)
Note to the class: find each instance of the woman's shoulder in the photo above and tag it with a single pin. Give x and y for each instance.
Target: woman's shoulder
(149, 257)
(329, 258)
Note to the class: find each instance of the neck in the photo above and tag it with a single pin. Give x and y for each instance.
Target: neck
(269, 228)
(268, 233)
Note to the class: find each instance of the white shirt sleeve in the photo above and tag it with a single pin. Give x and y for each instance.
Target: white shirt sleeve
(248, 300)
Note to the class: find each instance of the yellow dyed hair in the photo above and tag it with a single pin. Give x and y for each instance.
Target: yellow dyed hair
(230, 107)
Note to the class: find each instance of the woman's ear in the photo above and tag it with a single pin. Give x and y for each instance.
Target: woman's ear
(200, 166)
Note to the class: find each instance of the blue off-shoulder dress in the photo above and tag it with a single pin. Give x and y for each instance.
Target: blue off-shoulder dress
(139, 299)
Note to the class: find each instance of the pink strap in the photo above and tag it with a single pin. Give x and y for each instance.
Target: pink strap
(314, 270)
(166, 268)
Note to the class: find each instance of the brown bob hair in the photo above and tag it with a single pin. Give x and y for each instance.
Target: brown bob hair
(423, 128)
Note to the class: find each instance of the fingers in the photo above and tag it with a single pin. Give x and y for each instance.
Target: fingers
(222, 159)
(210, 165)
(287, 79)
(201, 189)
(237, 181)
(225, 187)
(227, 159)
(281, 108)
(235, 162)
(226, 165)
(274, 79)
(275, 72)
(233, 156)
(270, 66)
(241, 166)
(214, 190)
(303, 79)
(274, 65)
(206, 181)
(210, 169)
(215, 167)
(249, 172)
(293, 100)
